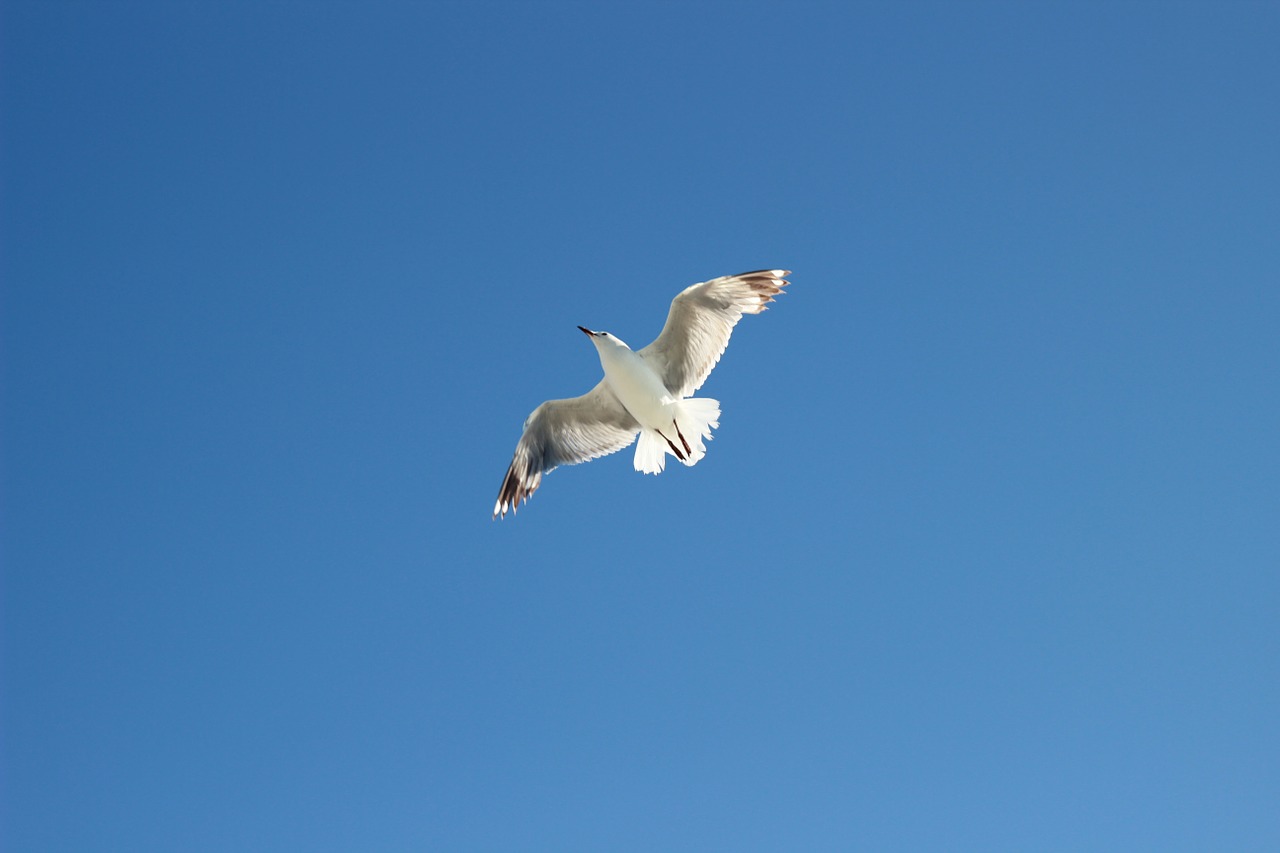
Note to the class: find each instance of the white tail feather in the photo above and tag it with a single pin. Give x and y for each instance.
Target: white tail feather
(651, 450)
(693, 420)
(696, 417)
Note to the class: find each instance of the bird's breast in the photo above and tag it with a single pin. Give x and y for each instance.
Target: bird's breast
(636, 385)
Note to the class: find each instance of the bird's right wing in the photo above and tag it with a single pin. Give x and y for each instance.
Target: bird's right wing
(700, 321)
(565, 432)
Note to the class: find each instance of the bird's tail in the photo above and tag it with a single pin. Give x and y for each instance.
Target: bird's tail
(691, 423)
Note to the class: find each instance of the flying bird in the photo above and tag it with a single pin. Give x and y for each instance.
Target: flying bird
(644, 392)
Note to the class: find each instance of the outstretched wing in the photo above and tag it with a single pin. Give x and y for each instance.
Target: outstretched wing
(699, 324)
(565, 432)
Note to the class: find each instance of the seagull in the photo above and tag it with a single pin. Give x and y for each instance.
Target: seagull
(645, 393)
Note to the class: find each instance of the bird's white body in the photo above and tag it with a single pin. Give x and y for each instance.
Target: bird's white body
(668, 424)
(634, 380)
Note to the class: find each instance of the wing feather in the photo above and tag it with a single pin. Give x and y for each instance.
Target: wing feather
(565, 432)
(700, 322)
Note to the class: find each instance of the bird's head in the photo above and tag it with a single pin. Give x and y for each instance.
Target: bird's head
(604, 339)
(598, 337)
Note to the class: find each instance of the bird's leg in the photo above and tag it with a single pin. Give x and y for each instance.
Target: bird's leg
(687, 450)
(675, 450)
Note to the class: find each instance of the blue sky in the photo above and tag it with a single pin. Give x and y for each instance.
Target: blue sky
(983, 557)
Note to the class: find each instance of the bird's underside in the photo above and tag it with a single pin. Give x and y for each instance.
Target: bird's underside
(578, 429)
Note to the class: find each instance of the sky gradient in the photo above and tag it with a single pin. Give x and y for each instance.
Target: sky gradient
(983, 556)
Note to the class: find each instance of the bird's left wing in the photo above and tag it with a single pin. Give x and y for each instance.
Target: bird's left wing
(565, 432)
(701, 319)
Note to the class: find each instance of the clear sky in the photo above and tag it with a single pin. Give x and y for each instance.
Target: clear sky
(985, 554)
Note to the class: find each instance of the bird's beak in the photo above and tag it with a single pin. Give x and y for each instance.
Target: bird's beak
(587, 332)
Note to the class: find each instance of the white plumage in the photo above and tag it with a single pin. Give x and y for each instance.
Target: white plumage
(644, 392)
